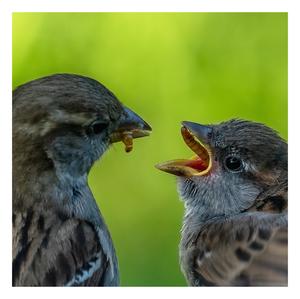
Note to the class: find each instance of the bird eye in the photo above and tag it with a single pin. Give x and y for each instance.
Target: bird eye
(98, 127)
(233, 163)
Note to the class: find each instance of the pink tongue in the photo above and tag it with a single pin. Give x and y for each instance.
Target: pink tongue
(197, 164)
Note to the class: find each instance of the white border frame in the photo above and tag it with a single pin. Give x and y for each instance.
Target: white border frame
(7, 7)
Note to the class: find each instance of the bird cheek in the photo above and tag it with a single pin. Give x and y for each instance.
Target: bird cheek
(216, 169)
(99, 148)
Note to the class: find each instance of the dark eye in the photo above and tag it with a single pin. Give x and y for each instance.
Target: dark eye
(98, 127)
(233, 163)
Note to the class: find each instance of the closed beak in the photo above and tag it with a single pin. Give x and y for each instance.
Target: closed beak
(131, 126)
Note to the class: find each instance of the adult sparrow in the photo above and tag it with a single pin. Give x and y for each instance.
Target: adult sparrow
(235, 194)
(62, 124)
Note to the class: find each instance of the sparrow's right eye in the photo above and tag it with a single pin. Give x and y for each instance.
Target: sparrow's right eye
(233, 164)
(97, 127)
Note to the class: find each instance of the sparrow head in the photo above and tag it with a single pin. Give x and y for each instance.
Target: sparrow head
(64, 123)
(234, 162)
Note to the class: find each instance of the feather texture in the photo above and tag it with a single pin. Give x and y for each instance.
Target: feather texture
(62, 124)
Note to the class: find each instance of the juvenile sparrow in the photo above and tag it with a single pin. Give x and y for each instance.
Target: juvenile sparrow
(62, 124)
(235, 194)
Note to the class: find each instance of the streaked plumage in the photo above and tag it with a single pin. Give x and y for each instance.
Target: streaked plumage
(61, 125)
(235, 225)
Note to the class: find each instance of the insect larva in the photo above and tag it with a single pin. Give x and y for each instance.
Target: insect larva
(127, 139)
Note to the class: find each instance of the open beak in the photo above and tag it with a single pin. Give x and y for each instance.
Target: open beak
(131, 126)
(196, 137)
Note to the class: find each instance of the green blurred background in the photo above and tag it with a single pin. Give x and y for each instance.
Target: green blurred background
(168, 67)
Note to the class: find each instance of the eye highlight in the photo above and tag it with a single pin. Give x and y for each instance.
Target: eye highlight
(233, 164)
(97, 127)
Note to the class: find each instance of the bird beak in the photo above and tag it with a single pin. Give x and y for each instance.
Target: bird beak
(197, 138)
(131, 126)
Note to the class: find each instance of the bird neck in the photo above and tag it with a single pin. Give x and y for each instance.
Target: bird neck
(39, 181)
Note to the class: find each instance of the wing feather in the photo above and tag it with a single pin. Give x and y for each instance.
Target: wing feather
(57, 251)
(223, 252)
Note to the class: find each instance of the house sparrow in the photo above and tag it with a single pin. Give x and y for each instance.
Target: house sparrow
(235, 194)
(62, 124)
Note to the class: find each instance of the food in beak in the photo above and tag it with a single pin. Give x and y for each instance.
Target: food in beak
(127, 137)
(128, 141)
(131, 126)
